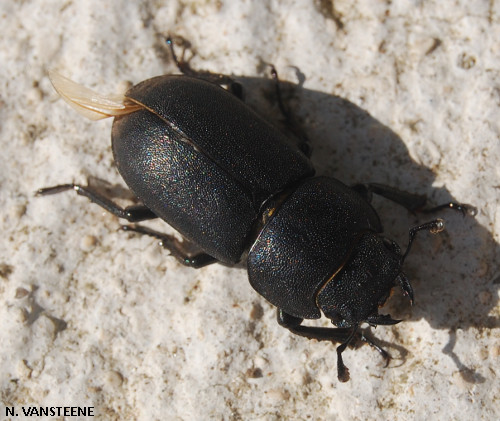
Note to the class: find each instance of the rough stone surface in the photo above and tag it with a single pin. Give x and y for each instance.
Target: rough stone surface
(405, 93)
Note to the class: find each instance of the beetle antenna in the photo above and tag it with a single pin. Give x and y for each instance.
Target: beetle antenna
(405, 285)
(433, 226)
(342, 370)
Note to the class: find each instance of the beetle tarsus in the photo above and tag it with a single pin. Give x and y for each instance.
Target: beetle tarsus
(46, 191)
(174, 246)
(465, 209)
(385, 355)
(134, 213)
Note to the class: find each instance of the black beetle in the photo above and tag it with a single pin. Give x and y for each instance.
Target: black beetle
(200, 159)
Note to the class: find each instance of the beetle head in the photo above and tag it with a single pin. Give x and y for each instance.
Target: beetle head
(355, 293)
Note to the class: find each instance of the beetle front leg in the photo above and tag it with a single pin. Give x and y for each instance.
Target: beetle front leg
(343, 335)
(176, 247)
(410, 201)
(133, 213)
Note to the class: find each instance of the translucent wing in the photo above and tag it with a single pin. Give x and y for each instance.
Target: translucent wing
(88, 103)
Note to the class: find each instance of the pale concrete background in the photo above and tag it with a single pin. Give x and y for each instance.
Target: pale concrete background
(404, 92)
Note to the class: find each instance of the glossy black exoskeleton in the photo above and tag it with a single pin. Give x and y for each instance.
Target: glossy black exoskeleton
(200, 159)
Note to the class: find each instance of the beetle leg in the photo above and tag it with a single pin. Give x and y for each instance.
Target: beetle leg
(176, 247)
(343, 335)
(293, 324)
(133, 213)
(219, 79)
(461, 207)
(304, 143)
(385, 355)
(412, 202)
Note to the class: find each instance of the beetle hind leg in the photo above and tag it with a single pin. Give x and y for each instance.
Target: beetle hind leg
(133, 213)
(184, 67)
(176, 248)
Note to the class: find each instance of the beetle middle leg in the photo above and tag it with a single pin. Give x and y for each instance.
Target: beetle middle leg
(338, 334)
(177, 248)
(134, 213)
(410, 201)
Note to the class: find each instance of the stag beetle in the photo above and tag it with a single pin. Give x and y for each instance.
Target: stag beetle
(235, 186)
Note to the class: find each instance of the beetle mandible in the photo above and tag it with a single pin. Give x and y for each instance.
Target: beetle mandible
(200, 159)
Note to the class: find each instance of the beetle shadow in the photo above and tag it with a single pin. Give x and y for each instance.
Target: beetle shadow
(454, 287)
